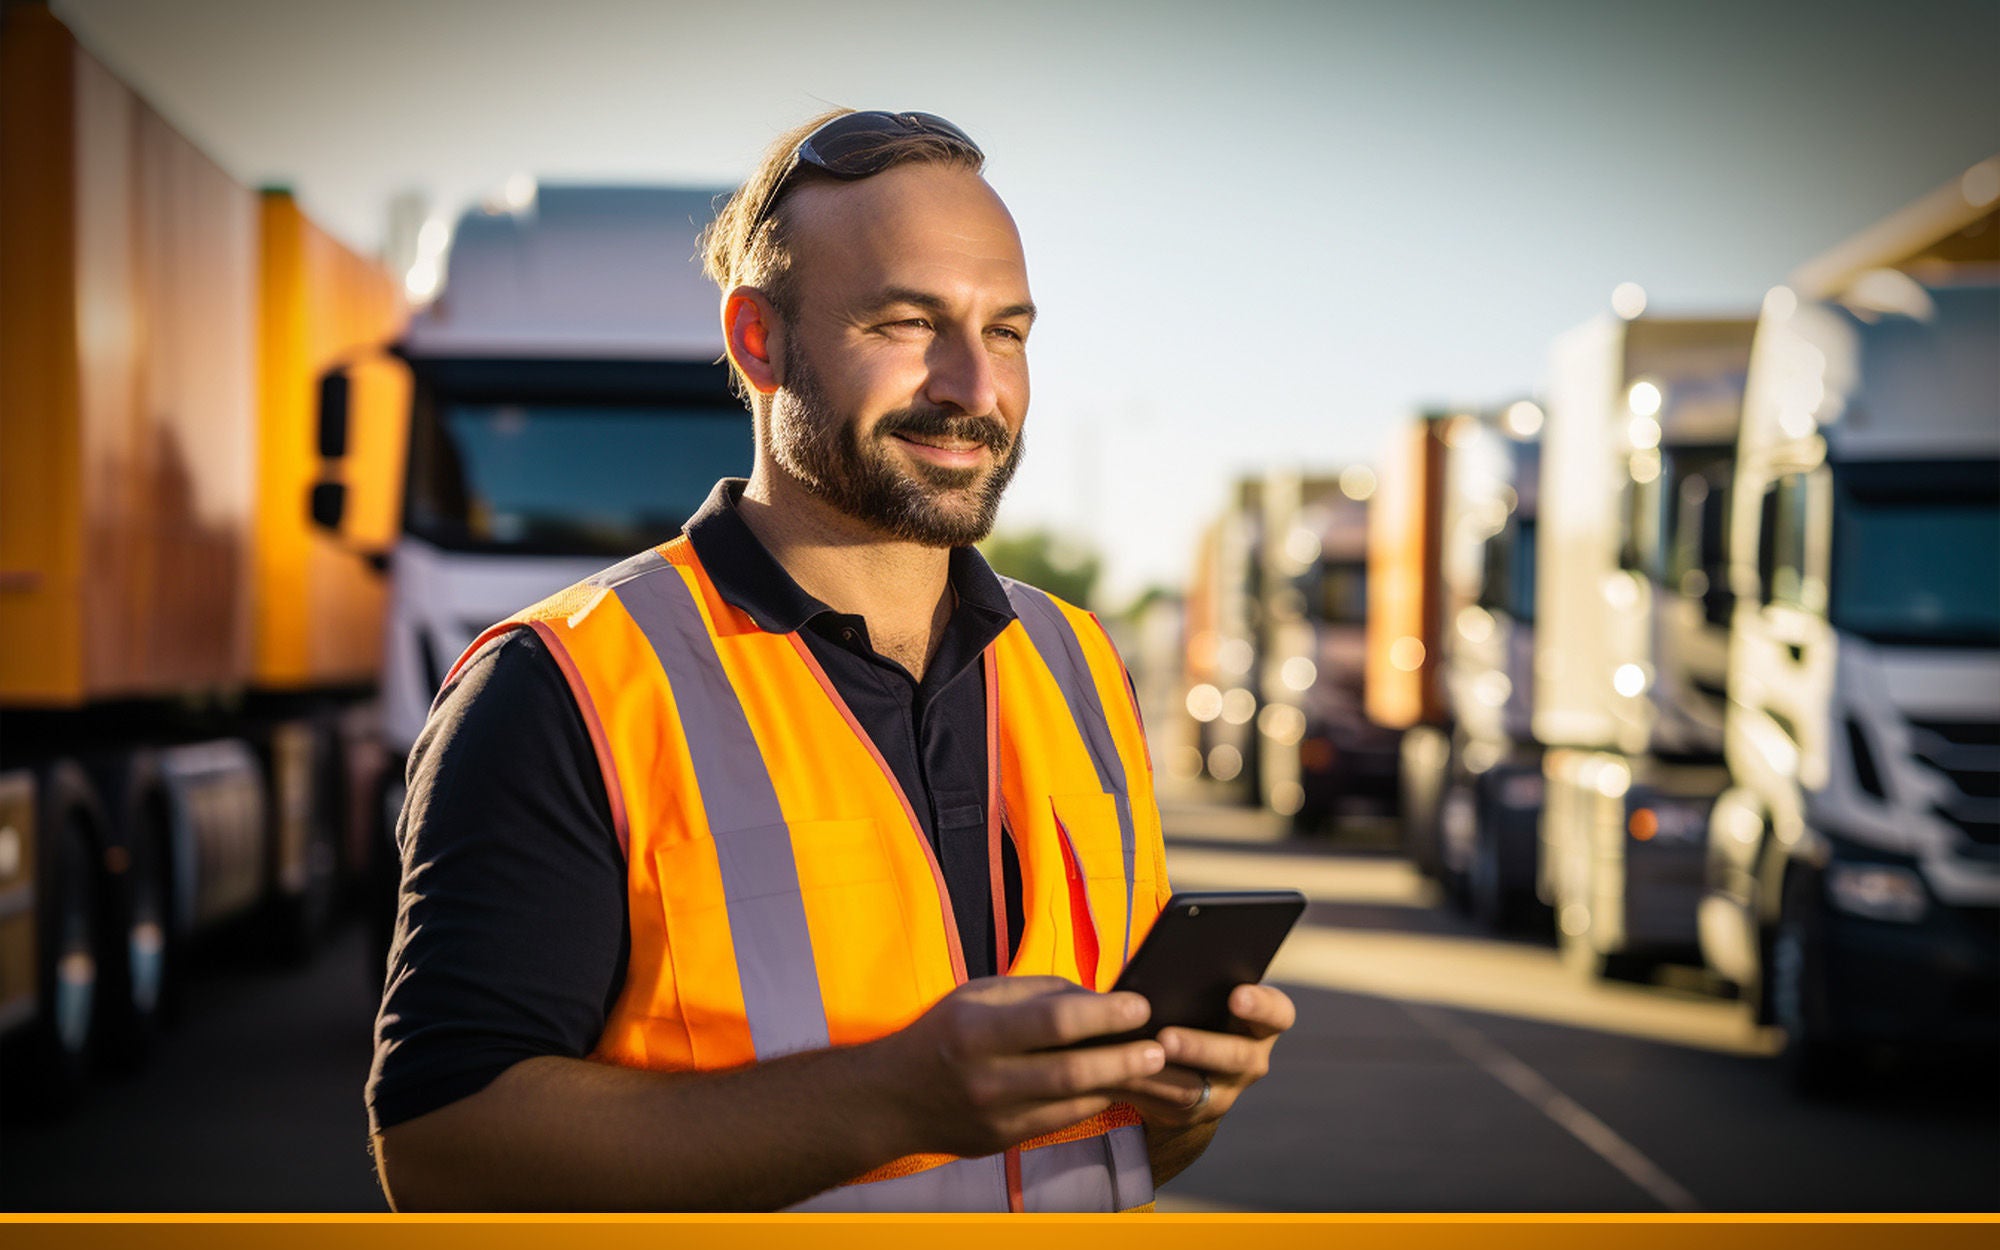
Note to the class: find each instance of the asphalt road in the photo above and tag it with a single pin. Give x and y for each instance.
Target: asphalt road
(1434, 1068)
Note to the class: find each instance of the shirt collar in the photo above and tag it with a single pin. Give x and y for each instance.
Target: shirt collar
(750, 577)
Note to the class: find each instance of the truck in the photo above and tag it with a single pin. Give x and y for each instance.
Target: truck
(1631, 629)
(1490, 811)
(187, 668)
(1224, 614)
(1319, 756)
(1276, 643)
(1408, 612)
(1853, 867)
(565, 406)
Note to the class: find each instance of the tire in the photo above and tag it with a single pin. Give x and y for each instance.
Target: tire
(1816, 1060)
(61, 1046)
(1422, 767)
(1457, 822)
(1494, 904)
(303, 919)
(142, 989)
(1490, 904)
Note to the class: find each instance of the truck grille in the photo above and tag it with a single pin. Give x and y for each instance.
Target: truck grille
(1968, 754)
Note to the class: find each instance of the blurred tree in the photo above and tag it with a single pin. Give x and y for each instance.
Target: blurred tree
(1147, 598)
(1063, 566)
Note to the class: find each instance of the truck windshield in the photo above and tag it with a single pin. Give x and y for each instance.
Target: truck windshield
(1913, 552)
(1341, 595)
(1507, 581)
(551, 474)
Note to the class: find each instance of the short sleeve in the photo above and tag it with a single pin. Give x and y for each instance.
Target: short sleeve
(511, 933)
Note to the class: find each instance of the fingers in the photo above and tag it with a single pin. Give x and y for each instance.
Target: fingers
(1227, 1055)
(1064, 1073)
(1171, 1090)
(1049, 1117)
(1017, 1024)
(1264, 1010)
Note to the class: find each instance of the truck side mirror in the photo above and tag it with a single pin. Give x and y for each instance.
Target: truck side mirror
(333, 391)
(329, 505)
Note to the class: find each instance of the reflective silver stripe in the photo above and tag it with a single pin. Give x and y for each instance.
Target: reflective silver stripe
(1108, 1173)
(961, 1185)
(1131, 1167)
(760, 879)
(627, 569)
(1057, 644)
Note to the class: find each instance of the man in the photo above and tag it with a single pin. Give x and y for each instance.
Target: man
(712, 861)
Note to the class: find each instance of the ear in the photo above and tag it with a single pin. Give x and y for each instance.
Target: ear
(751, 325)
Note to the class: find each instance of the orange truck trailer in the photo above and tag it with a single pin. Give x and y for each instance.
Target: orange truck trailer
(1407, 613)
(186, 663)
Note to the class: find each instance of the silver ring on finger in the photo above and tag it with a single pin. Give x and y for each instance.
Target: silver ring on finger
(1201, 1099)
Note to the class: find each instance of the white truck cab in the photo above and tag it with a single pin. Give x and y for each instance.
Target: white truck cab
(1630, 644)
(568, 407)
(1492, 798)
(1853, 879)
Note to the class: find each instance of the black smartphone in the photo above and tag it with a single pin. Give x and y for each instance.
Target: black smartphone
(1204, 945)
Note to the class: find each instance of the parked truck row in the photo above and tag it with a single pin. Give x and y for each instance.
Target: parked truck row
(1695, 658)
(188, 669)
(1276, 641)
(252, 509)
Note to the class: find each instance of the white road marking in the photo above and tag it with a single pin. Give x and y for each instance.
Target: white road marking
(1566, 1112)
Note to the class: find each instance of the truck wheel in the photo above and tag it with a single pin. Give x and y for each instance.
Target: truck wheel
(71, 930)
(138, 987)
(1816, 1061)
(303, 918)
(1489, 900)
(1458, 834)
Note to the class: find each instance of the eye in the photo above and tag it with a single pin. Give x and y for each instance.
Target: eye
(1009, 333)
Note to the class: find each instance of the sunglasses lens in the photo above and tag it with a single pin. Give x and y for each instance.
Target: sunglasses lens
(850, 146)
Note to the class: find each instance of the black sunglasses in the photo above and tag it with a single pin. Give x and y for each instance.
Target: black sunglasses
(850, 147)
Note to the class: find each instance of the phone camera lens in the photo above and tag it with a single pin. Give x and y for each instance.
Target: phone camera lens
(1194, 911)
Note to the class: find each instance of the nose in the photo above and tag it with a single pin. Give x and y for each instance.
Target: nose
(962, 375)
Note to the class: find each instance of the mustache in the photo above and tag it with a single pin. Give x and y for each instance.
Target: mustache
(988, 432)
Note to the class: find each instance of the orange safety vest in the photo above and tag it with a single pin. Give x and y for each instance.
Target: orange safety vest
(783, 896)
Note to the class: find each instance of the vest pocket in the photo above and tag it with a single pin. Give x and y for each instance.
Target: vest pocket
(1094, 843)
(858, 899)
(784, 937)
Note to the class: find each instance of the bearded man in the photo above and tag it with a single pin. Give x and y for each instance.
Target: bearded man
(789, 864)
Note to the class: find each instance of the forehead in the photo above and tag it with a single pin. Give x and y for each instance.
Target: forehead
(931, 228)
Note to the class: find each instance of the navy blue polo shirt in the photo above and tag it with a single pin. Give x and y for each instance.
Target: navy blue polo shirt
(512, 935)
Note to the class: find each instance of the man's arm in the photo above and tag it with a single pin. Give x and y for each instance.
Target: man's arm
(972, 1076)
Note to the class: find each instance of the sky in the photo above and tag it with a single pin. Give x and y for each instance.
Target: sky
(1260, 234)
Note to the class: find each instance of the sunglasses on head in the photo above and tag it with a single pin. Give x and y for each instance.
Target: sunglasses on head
(850, 147)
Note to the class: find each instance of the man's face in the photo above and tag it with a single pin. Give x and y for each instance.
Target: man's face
(905, 366)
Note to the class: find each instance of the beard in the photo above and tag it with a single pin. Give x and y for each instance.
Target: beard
(865, 478)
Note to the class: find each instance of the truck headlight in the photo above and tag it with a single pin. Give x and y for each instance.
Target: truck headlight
(1877, 892)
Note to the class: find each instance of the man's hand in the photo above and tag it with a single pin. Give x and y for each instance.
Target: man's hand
(977, 1073)
(1179, 1121)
